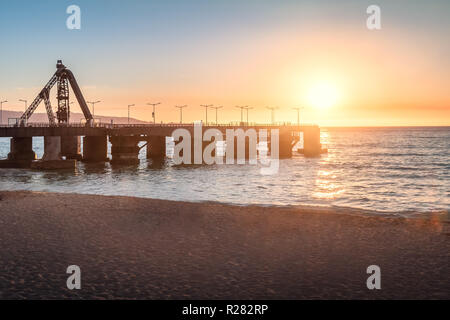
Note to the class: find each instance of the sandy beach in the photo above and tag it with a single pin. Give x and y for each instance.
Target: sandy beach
(135, 248)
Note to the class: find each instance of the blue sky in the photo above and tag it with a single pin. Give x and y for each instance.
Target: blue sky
(33, 33)
(126, 44)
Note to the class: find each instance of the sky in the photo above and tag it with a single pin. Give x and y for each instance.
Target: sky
(318, 55)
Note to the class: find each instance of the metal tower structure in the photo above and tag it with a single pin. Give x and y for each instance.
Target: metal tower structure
(62, 77)
(63, 112)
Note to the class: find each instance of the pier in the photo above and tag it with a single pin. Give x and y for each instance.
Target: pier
(63, 140)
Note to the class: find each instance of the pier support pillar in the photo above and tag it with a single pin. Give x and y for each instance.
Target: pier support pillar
(311, 142)
(125, 149)
(22, 149)
(285, 144)
(156, 147)
(95, 149)
(71, 147)
(52, 159)
(52, 148)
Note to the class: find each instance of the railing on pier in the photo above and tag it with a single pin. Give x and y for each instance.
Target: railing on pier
(156, 125)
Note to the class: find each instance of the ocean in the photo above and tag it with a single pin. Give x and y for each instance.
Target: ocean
(381, 171)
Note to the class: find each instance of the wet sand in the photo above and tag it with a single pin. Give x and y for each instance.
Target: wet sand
(136, 248)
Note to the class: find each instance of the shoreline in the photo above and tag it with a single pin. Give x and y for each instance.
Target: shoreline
(353, 211)
(139, 248)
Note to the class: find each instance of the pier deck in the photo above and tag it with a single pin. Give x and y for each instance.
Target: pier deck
(64, 141)
(43, 129)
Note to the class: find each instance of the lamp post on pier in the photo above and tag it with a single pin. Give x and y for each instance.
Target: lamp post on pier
(272, 109)
(153, 113)
(298, 114)
(206, 106)
(181, 112)
(217, 108)
(93, 107)
(1, 110)
(247, 108)
(129, 107)
(25, 101)
(242, 112)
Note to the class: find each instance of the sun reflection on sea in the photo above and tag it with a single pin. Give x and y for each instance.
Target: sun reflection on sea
(326, 183)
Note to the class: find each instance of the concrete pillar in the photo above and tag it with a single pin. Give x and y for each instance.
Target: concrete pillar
(95, 149)
(285, 144)
(156, 147)
(52, 148)
(21, 149)
(125, 149)
(71, 147)
(311, 142)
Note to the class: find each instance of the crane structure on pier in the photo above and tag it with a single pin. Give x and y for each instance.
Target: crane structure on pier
(62, 78)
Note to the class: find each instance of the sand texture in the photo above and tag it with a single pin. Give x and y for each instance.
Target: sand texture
(136, 248)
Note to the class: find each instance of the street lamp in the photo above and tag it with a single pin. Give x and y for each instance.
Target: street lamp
(298, 114)
(247, 108)
(1, 110)
(129, 106)
(242, 112)
(217, 108)
(181, 112)
(206, 106)
(93, 107)
(153, 114)
(25, 101)
(272, 109)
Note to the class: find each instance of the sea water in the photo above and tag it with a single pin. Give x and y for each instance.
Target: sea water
(382, 170)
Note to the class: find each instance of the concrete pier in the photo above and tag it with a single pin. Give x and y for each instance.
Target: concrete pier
(125, 149)
(71, 147)
(52, 148)
(21, 154)
(286, 144)
(125, 141)
(52, 159)
(21, 149)
(156, 147)
(95, 149)
(311, 142)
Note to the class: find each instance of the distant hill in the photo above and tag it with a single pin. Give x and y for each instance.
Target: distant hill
(74, 118)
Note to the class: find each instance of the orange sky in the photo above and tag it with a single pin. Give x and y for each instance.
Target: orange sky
(379, 81)
(399, 75)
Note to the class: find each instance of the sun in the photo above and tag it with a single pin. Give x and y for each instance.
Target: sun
(322, 95)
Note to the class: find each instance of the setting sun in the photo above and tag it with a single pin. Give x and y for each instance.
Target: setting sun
(323, 95)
